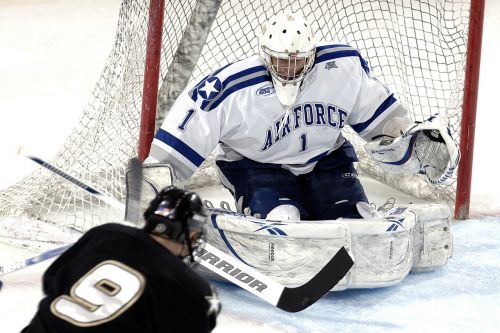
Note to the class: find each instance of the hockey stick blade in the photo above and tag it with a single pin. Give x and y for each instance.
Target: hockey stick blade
(288, 299)
(232, 269)
(298, 298)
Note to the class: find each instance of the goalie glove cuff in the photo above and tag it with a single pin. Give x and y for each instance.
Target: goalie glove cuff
(425, 148)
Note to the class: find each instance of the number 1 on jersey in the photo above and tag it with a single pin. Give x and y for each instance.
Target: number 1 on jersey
(188, 117)
(303, 141)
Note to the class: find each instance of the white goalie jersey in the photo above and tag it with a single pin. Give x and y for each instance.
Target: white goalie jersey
(235, 110)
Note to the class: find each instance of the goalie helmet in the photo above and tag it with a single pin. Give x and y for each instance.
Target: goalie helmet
(287, 48)
(177, 215)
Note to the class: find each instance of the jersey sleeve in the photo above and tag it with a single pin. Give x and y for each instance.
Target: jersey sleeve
(375, 105)
(191, 130)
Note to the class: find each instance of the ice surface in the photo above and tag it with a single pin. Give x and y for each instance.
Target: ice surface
(464, 296)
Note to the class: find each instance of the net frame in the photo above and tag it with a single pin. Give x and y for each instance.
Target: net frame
(111, 130)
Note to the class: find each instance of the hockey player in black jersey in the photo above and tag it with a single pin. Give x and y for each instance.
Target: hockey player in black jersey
(119, 279)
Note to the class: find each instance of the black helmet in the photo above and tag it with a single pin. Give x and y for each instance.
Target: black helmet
(174, 214)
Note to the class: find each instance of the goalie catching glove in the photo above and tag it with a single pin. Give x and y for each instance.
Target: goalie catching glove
(425, 148)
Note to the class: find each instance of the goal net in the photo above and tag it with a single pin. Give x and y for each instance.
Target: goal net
(417, 48)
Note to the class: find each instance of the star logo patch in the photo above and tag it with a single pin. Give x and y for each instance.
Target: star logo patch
(210, 88)
(214, 304)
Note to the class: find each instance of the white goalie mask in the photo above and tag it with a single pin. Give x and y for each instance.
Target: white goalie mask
(287, 48)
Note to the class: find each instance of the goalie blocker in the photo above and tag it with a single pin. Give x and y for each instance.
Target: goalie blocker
(425, 148)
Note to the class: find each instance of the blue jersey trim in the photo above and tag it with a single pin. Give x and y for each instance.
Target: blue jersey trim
(334, 54)
(383, 107)
(330, 46)
(194, 91)
(179, 146)
(247, 71)
(208, 105)
(317, 158)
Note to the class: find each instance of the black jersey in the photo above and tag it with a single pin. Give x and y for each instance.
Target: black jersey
(118, 279)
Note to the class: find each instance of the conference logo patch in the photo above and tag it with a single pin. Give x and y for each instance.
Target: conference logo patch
(210, 88)
(265, 90)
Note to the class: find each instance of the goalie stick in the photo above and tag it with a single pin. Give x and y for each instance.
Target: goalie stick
(286, 298)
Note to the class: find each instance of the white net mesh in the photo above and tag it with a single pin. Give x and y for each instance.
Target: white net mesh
(417, 48)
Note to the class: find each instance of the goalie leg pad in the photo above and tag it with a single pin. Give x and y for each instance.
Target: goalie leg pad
(385, 249)
(382, 251)
(433, 240)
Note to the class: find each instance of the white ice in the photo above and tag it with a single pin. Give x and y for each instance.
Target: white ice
(51, 54)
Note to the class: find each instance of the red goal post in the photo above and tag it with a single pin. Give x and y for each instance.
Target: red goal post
(468, 123)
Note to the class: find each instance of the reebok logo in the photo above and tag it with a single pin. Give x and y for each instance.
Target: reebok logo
(271, 228)
(395, 224)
